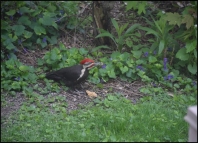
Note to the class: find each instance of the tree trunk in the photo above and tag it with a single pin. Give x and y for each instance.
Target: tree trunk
(102, 20)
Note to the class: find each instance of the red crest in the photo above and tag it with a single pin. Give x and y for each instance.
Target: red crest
(86, 60)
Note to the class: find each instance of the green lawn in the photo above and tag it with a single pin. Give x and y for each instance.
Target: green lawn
(156, 118)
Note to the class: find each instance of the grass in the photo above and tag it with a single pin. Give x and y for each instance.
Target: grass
(154, 118)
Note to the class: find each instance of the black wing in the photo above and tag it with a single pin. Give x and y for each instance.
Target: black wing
(68, 73)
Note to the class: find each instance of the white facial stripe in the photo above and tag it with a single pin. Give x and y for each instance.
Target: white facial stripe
(88, 65)
(84, 67)
(82, 73)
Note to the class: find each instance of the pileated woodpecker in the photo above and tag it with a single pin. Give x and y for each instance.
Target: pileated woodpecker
(73, 75)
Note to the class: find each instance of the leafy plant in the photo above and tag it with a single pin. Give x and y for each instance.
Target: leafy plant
(160, 29)
(188, 35)
(121, 65)
(33, 22)
(60, 57)
(120, 39)
(136, 5)
(16, 76)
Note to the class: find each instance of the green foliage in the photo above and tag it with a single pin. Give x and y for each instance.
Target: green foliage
(25, 23)
(160, 29)
(140, 6)
(118, 64)
(16, 76)
(188, 16)
(166, 39)
(60, 57)
(188, 35)
(147, 68)
(122, 38)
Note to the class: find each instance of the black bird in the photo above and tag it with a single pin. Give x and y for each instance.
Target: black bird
(73, 75)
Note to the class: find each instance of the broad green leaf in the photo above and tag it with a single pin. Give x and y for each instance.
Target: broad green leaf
(182, 55)
(119, 64)
(23, 68)
(11, 12)
(137, 47)
(129, 42)
(16, 85)
(38, 41)
(24, 20)
(173, 18)
(72, 51)
(129, 73)
(10, 46)
(56, 50)
(115, 24)
(130, 63)
(161, 47)
(190, 46)
(13, 38)
(137, 54)
(152, 59)
(53, 40)
(111, 73)
(176, 72)
(83, 51)
(53, 56)
(6, 41)
(36, 12)
(114, 55)
(62, 47)
(192, 68)
(5, 25)
(141, 7)
(18, 29)
(188, 19)
(39, 30)
(43, 44)
(124, 56)
(24, 10)
(51, 8)
(54, 25)
(131, 4)
(27, 34)
(46, 20)
(124, 69)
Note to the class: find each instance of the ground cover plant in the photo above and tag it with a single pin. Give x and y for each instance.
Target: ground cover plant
(146, 82)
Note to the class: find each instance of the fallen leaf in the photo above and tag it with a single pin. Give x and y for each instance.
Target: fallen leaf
(170, 94)
(91, 94)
